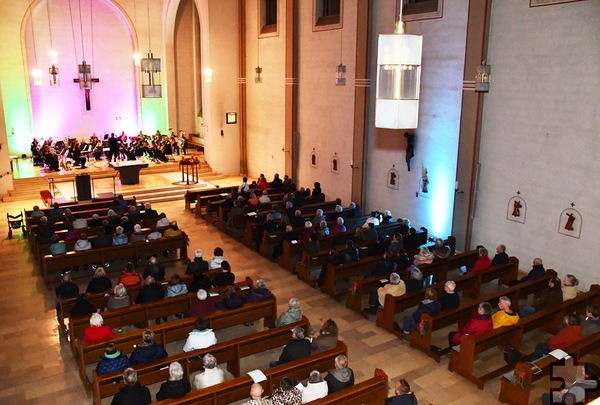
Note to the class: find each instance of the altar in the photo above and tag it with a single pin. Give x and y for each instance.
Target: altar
(129, 171)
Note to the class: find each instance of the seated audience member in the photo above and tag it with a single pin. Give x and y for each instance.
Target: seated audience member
(172, 231)
(57, 247)
(440, 250)
(323, 229)
(102, 240)
(203, 306)
(256, 396)
(112, 360)
(287, 393)
(83, 243)
(411, 240)
(319, 217)
(71, 234)
(258, 293)
(482, 263)
(386, 266)
(450, 299)
(66, 289)
(403, 396)
(200, 281)
(537, 271)
(212, 375)
(163, 221)
(119, 299)
(82, 307)
(138, 235)
(154, 269)
(415, 282)
(176, 287)
(264, 197)
(570, 334)
(500, 257)
(119, 238)
(148, 350)
(134, 214)
(113, 218)
(149, 212)
(99, 282)
(132, 393)
(291, 236)
(37, 212)
(97, 330)
(277, 182)
(395, 288)
(231, 300)
(549, 298)
(370, 234)
(253, 200)
(296, 220)
(387, 217)
(126, 224)
(353, 210)
(56, 210)
(308, 231)
(45, 230)
(95, 222)
(218, 258)
(584, 389)
(423, 257)
(297, 348)
(327, 339)
(479, 324)
(154, 234)
(591, 324)
(198, 265)
(373, 219)
(505, 316)
(340, 378)
(129, 277)
(176, 386)
(396, 244)
(291, 315)
(201, 337)
(316, 192)
(429, 305)
(150, 292)
(224, 278)
(569, 287)
(315, 387)
(339, 226)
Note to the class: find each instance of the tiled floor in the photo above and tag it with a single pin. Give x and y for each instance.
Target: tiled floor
(36, 364)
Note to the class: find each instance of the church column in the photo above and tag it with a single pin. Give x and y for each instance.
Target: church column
(291, 86)
(242, 89)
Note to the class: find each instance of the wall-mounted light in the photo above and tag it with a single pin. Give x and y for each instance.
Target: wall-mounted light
(482, 78)
(137, 59)
(208, 75)
(53, 70)
(398, 78)
(340, 75)
(151, 87)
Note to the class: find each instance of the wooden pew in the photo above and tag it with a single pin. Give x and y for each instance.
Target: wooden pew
(229, 352)
(239, 388)
(459, 316)
(50, 263)
(463, 356)
(518, 394)
(346, 270)
(373, 391)
(193, 196)
(144, 313)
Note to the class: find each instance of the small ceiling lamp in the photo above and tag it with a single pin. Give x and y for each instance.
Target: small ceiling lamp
(398, 78)
(482, 78)
(151, 87)
(258, 70)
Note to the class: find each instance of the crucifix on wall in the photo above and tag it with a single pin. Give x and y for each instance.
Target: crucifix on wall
(85, 81)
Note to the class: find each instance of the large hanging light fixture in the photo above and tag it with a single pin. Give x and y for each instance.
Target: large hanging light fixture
(258, 70)
(340, 70)
(53, 70)
(398, 78)
(151, 87)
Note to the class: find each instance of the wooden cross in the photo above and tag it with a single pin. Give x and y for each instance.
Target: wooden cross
(85, 82)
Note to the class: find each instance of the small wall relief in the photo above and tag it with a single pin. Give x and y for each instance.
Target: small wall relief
(424, 184)
(335, 164)
(517, 209)
(314, 161)
(392, 178)
(570, 222)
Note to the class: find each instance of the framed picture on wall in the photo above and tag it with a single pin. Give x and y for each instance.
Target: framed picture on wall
(537, 3)
(392, 178)
(314, 159)
(335, 164)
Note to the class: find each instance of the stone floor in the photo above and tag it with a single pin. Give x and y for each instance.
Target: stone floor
(37, 366)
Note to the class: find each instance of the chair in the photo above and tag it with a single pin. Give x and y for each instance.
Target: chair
(15, 222)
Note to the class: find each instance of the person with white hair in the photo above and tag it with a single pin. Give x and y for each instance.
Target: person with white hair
(258, 293)
(415, 282)
(176, 386)
(97, 330)
(450, 299)
(505, 316)
(339, 226)
(373, 219)
(203, 306)
(323, 229)
(133, 393)
(149, 212)
(212, 374)
(291, 315)
(297, 348)
(340, 378)
(198, 265)
(315, 388)
(138, 235)
(264, 198)
(154, 234)
(395, 288)
(82, 243)
(319, 217)
(100, 282)
(154, 269)
(119, 238)
(119, 299)
(201, 337)
(308, 231)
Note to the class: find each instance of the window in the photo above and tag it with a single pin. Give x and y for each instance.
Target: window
(268, 16)
(421, 9)
(327, 14)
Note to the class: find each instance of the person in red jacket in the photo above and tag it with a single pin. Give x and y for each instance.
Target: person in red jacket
(479, 324)
(130, 278)
(570, 334)
(483, 262)
(97, 330)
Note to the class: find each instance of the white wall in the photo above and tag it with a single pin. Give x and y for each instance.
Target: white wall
(540, 133)
(439, 118)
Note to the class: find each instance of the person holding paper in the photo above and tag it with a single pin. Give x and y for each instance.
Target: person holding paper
(566, 337)
(394, 288)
